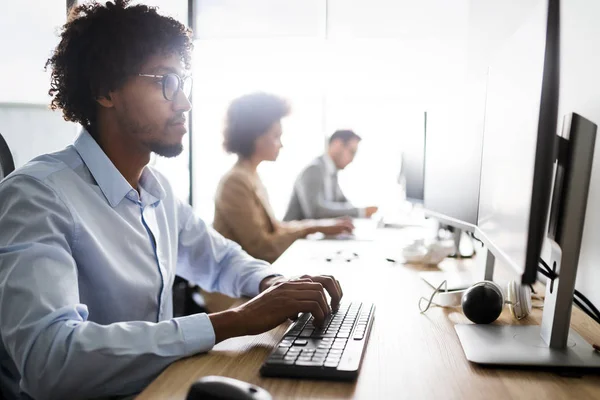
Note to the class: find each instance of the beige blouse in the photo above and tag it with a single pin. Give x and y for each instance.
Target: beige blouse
(243, 214)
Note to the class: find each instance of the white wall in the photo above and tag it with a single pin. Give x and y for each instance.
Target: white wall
(28, 34)
(31, 130)
(580, 93)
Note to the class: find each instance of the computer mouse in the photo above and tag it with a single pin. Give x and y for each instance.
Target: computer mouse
(224, 388)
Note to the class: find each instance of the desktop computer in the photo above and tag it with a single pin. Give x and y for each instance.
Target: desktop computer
(407, 202)
(451, 179)
(522, 158)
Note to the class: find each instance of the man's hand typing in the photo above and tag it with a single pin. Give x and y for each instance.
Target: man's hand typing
(279, 300)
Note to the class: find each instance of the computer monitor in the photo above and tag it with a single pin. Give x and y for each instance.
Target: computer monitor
(519, 156)
(518, 146)
(452, 168)
(412, 171)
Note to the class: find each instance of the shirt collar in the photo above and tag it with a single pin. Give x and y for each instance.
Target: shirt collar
(329, 164)
(112, 184)
(150, 183)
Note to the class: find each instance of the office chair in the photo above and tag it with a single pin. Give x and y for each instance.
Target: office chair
(185, 298)
(7, 164)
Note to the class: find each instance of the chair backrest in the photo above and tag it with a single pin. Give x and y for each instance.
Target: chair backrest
(7, 164)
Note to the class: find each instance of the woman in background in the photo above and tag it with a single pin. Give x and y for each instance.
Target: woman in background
(242, 209)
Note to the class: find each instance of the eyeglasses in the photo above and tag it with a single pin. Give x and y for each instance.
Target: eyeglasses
(171, 83)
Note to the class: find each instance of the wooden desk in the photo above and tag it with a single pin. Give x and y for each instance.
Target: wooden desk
(409, 355)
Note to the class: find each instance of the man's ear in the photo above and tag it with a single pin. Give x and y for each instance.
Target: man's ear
(105, 101)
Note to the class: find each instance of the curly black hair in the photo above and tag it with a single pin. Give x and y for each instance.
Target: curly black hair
(102, 46)
(249, 117)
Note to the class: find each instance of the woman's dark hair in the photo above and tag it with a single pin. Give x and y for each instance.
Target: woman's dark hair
(102, 46)
(249, 117)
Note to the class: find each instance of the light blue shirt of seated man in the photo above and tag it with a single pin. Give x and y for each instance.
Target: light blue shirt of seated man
(86, 269)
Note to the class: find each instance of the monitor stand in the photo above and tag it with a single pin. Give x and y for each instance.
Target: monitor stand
(463, 244)
(553, 343)
(529, 345)
(508, 345)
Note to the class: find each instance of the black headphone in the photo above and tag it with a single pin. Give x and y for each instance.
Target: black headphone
(482, 303)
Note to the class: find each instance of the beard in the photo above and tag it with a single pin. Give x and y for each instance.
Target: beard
(166, 150)
(150, 135)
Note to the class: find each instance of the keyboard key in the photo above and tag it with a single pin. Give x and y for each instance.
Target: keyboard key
(300, 342)
(310, 363)
(306, 333)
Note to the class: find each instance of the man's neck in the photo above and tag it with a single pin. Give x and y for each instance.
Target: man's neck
(330, 159)
(127, 157)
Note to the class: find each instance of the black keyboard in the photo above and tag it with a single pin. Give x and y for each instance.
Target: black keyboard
(334, 351)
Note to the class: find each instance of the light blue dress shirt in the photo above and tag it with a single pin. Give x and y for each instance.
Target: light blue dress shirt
(86, 271)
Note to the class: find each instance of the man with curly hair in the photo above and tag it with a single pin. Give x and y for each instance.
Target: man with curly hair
(91, 237)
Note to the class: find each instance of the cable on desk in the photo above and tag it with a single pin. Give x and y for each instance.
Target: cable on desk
(578, 298)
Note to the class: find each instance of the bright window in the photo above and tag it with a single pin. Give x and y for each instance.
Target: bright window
(341, 64)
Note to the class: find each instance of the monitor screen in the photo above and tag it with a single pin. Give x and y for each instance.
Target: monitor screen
(452, 168)
(413, 163)
(519, 134)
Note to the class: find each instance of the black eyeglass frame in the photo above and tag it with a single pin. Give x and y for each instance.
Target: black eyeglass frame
(181, 82)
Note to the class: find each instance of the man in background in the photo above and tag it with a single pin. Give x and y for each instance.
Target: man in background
(317, 193)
